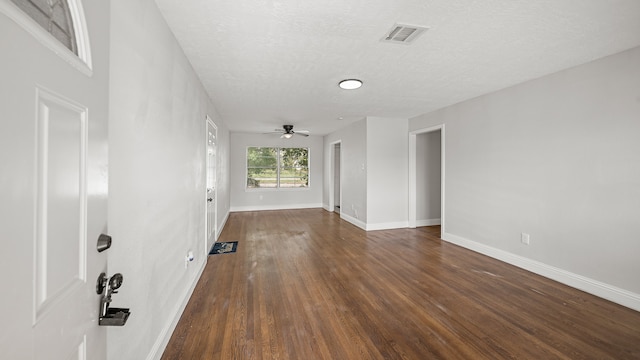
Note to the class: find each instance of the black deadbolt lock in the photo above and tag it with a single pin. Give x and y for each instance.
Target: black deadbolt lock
(104, 242)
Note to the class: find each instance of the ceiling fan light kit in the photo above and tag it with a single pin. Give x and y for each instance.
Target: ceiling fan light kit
(286, 136)
(350, 84)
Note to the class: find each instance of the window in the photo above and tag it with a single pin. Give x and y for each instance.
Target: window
(270, 168)
(54, 17)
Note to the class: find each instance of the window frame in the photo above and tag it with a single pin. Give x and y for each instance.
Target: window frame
(278, 168)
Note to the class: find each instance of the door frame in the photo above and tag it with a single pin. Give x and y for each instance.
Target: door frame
(209, 121)
(413, 156)
(332, 173)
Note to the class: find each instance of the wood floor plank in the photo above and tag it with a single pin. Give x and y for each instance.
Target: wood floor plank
(305, 284)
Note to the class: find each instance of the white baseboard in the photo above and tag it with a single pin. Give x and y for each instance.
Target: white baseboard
(594, 287)
(428, 222)
(274, 207)
(388, 225)
(354, 221)
(221, 226)
(165, 335)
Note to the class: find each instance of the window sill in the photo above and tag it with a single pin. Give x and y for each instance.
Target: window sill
(276, 189)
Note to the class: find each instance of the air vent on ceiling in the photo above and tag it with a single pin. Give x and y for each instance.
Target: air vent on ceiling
(403, 34)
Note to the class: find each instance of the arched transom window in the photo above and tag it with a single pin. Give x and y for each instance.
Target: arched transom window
(54, 16)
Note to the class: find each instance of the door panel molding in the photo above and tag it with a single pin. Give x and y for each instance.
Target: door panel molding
(61, 201)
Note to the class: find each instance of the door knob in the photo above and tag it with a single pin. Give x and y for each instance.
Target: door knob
(210, 199)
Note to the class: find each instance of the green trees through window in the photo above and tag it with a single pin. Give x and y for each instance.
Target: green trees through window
(269, 167)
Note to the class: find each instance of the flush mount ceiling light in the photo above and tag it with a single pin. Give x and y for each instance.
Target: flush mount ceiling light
(350, 84)
(286, 136)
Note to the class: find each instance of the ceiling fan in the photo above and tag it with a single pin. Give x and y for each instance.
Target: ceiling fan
(287, 132)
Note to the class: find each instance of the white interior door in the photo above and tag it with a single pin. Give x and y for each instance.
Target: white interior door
(53, 187)
(212, 217)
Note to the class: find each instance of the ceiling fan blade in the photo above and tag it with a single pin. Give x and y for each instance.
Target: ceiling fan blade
(300, 133)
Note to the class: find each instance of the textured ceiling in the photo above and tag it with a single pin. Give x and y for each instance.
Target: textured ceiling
(266, 63)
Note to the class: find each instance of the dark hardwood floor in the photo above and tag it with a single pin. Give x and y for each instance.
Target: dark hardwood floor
(306, 285)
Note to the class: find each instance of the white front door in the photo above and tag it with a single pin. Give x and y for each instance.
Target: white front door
(211, 183)
(53, 186)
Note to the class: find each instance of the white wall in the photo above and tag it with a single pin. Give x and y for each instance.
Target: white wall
(374, 172)
(270, 199)
(558, 158)
(353, 148)
(428, 178)
(387, 173)
(157, 177)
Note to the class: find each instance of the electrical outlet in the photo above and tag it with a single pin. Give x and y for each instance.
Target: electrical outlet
(524, 238)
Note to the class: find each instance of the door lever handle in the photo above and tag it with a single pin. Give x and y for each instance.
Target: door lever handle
(210, 199)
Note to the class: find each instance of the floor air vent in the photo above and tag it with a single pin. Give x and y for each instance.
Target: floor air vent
(403, 34)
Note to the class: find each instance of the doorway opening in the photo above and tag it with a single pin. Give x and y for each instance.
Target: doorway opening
(427, 177)
(335, 187)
